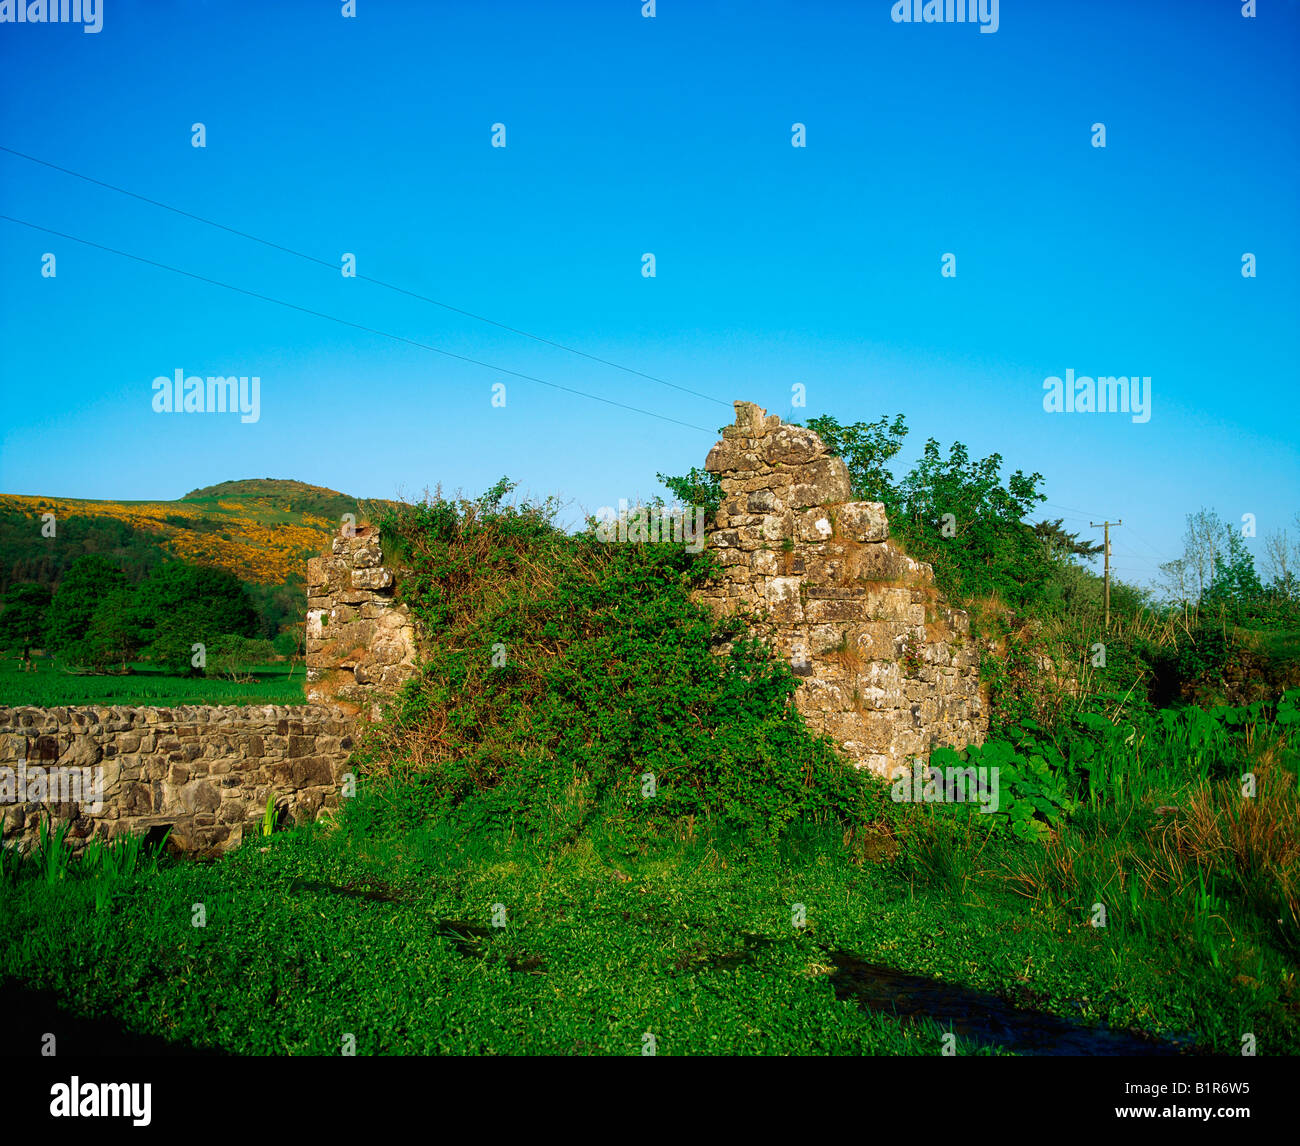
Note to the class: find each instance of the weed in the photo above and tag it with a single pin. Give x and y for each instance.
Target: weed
(54, 851)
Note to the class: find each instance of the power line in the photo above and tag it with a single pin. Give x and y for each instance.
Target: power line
(1146, 545)
(365, 278)
(1080, 514)
(1136, 536)
(1127, 558)
(346, 322)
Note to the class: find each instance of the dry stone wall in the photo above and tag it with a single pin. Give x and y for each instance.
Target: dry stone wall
(204, 772)
(889, 669)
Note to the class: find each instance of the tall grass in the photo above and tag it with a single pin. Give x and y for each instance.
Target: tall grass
(53, 850)
(1188, 823)
(108, 863)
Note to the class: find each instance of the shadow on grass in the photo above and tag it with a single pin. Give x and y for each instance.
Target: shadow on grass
(984, 1018)
(471, 941)
(31, 1015)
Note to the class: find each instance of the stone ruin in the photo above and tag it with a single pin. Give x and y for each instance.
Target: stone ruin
(361, 643)
(889, 669)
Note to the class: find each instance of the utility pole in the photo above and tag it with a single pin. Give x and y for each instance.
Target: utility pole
(1107, 525)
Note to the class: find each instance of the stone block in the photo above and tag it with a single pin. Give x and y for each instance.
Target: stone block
(311, 770)
(819, 483)
(792, 446)
(813, 526)
(862, 521)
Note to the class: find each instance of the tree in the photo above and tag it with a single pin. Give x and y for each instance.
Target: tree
(172, 640)
(1280, 562)
(1058, 541)
(188, 604)
(698, 489)
(22, 624)
(956, 514)
(866, 448)
(87, 582)
(959, 515)
(278, 605)
(1177, 579)
(1205, 545)
(231, 655)
(291, 643)
(1235, 585)
(113, 637)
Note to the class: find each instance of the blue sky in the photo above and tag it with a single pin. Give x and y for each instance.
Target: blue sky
(775, 265)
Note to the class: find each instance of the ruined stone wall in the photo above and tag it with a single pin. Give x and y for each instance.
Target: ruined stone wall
(360, 640)
(889, 670)
(205, 772)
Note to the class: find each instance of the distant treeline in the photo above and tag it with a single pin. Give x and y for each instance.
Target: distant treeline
(177, 616)
(26, 558)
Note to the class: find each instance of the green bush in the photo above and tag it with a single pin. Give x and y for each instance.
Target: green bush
(567, 678)
(1032, 784)
(698, 488)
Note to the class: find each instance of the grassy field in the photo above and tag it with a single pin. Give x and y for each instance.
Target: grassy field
(52, 686)
(417, 937)
(621, 841)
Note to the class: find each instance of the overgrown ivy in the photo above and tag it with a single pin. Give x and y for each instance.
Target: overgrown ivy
(566, 678)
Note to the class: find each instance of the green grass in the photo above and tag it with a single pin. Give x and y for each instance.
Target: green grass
(625, 914)
(51, 685)
(322, 932)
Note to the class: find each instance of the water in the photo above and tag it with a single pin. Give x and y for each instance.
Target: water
(984, 1018)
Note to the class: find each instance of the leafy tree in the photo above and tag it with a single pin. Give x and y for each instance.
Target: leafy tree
(287, 644)
(1178, 581)
(291, 643)
(984, 546)
(89, 580)
(1280, 563)
(1235, 584)
(1059, 541)
(113, 637)
(698, 488)
(278, 605)
(22, 624)
(231, 655)
(959, 515)
(1205, 545)
(172, 640)
(188, 604)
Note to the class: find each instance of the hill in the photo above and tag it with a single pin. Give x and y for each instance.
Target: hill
(261, 530)
(295, 496)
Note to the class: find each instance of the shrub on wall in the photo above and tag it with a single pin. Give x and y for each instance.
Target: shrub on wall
(565, 677)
